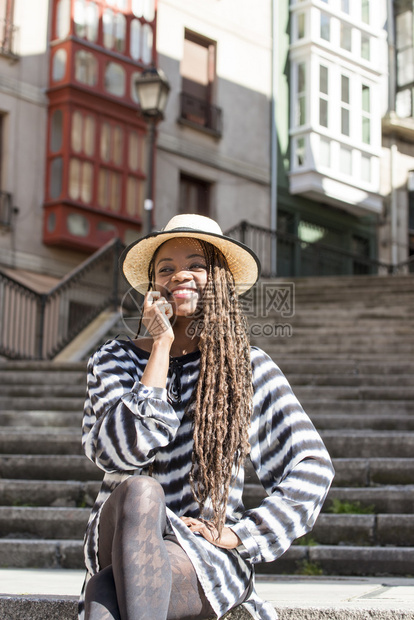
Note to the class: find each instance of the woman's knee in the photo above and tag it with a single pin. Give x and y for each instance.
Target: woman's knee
(138, 494)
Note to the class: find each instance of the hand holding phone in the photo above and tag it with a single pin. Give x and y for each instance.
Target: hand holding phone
(157, 313)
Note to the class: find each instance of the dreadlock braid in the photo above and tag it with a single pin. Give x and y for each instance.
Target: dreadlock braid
(223, 395)
(224, 391)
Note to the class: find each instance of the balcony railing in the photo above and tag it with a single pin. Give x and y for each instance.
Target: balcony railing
(6, 209)
(200, 114)
(296, 257)
(8, 38)
(39, 326)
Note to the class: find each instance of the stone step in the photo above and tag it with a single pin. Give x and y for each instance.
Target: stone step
(347, 443)
(330, 560)
(330, 529)
(43, 403)
(385, 499)
(343, 560)
(329, 381)
(304, 366)
(385, 422)
(36, 391)
(350, 472)
(48, 467)
(359, 392)
(43, 522)
(74, 493)
(66, 368)
(47, 553)
(53, 595)
(360, 472)
(22, 418)
(369, 444)
(391, 499)
(356, 406)
(19, 397)
(364, 472)
(281, 346)
(55, 493)
(40, 441)
(331, 420)
(46, 376)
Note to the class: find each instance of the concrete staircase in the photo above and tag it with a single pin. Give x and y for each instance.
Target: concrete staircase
(350, 361)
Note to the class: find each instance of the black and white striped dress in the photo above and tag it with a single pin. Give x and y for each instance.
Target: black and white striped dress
(127, 427)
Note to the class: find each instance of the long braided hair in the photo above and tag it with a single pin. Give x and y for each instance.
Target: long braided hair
(222, 399)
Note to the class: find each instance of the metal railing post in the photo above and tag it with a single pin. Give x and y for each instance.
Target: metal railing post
(40, 325)
(115, 278)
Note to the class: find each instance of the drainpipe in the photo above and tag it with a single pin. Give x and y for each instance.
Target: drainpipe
(393, 145)
(273, 146)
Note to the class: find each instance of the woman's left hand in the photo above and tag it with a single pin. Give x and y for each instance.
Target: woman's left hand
(227, 540)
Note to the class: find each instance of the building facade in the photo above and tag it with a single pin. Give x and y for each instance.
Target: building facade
(293, 116)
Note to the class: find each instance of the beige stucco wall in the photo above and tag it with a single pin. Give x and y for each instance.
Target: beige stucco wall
(238, 164)
(23, 102)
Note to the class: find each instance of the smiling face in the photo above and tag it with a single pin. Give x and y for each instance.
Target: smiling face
(180, 270)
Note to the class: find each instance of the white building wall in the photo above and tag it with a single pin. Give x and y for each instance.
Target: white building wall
(238, 163)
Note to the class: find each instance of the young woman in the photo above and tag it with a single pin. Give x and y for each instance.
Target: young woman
(171, 418)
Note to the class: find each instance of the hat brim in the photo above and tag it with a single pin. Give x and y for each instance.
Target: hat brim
(242, 261)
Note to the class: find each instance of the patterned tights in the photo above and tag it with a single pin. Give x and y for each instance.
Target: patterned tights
(145, 575)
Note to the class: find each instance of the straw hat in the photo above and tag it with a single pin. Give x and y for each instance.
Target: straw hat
(242, 261)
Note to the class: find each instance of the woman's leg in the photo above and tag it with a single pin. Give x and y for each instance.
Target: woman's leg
(152, 577)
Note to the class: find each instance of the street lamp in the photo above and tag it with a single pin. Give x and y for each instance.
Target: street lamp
(151, 88)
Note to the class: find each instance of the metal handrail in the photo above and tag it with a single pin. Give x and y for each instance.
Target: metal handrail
(201, 113)
(5, 208)
(39, 325)
(338, 261)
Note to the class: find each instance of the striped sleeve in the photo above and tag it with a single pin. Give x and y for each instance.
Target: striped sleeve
(125, 422)
(291, 462)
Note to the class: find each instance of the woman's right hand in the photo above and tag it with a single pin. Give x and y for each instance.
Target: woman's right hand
(157, 313)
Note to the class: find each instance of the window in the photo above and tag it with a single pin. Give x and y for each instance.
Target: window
(404, 45)
(345, 160)
(346, 37)
(86, 68)
(81, 171)
(197, 67)
(62, 19)
(86, 20)
(300, 152)
(345, 6)
(198, 76)
(115, 79)
(301, 25)
(194, 195)
(323, 96)
(143, 8)
(59, 65)
(77, 225)
(366, 168)
(345, 105)
(365, 13)
(324, 152)
(301, 94)
(325, 27)
(147, 43)
(135, 39)
(56, 131)
(366, 114)
(365, 47)
(55, 177)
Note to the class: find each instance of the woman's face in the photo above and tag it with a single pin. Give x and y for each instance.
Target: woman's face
(180, 270)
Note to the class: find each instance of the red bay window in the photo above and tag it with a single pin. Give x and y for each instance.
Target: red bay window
(96, 149)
